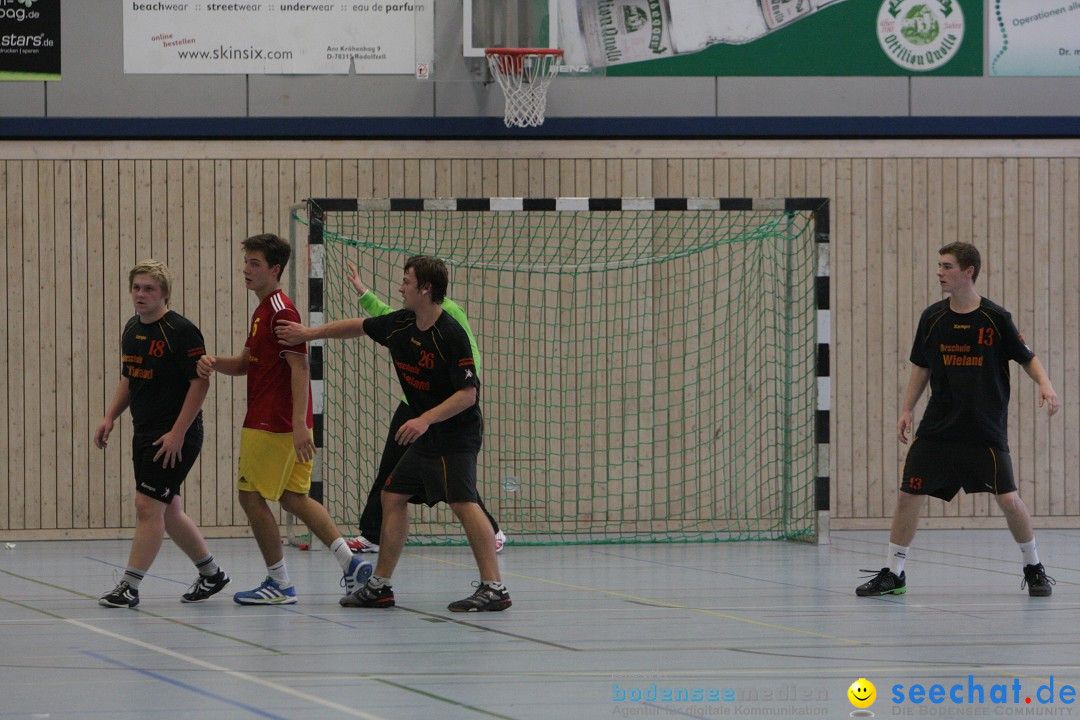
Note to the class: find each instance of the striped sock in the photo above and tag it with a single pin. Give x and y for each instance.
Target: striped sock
(133, 576)
(207, 567)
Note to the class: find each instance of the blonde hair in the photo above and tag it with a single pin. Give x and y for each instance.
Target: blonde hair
(155, 269)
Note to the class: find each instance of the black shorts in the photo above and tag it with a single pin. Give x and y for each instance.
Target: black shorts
(155, 481)
(430, 479)
(941, 467)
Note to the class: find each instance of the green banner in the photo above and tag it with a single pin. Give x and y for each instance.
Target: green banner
(773, 37)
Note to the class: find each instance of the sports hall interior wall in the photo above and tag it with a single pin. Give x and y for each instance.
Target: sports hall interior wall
(103, 168)
(76, 215)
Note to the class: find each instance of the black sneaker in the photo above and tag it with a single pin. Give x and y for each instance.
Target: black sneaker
(485, 598)
(205, 586)
(1037, 581)
(883, 583)
(123, 595)
(369, 597)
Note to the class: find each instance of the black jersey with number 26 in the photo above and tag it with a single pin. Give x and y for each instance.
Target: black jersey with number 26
(159, 361)
(432, 365)
(968, 356)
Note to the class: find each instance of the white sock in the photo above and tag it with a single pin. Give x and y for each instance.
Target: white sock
(341, 551)
(375, 582)
(1031, 555)
(494, 584)
(279, 574)
(897, 557)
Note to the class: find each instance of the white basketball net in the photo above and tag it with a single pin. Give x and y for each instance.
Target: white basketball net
(524, 78)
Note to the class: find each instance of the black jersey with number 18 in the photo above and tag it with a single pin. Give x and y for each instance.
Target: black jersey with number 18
(968, 357)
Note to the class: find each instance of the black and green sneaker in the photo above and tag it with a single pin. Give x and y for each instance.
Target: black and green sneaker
(1037, 581)
(883, 583)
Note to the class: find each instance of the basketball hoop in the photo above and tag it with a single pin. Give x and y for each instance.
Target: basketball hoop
(524, 74)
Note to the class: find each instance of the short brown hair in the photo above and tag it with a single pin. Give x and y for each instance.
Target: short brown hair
(275, 249)
(430, 271)
(155, 269)
(966, 254)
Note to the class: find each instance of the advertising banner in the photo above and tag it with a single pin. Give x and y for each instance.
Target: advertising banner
(29, 40)
(249, 37)
(773, 37)
(1035, 37)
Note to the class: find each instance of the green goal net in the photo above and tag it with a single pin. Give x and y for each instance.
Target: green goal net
(647, 374)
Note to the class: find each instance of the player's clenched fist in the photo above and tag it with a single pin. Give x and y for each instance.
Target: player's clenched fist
(205, 366)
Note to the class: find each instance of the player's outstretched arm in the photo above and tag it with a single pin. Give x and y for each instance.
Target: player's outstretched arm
(226, 365)
(121, 400)
(1047, 395)
(293, 333)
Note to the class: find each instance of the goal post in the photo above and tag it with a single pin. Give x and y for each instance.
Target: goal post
(652, 369)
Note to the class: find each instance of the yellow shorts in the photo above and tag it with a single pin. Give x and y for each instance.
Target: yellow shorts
(269, 466)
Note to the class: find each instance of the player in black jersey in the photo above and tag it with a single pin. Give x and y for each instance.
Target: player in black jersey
(437, 372)
(160, 349)
(962, 349)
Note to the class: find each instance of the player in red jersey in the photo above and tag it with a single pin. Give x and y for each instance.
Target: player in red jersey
(276, 445)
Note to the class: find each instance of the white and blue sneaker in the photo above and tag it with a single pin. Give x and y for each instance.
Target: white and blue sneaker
(269, 593)
(357, 575)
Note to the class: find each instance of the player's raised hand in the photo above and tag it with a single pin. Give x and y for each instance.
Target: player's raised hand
(353, 276)
(205, 366)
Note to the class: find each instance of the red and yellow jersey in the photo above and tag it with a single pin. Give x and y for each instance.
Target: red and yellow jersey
(269, 379)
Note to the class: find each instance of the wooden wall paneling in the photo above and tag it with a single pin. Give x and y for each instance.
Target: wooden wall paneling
(24, 495)
(978, 234)
(582, 182)
(64, 330)
(644, 178)
(201, 499)
(489, 177)
(862, 245)
(118, 257)
(921, 282)
(1009, 266)
(722, 178)
(459, 180)
(843, 440)
(83, 421)
(879, 244)
(16, 364)
(334, 176)
(965, 197)
(136, 206)
(613, 178)
(228, 393)
(1021, 432)
(159, 211)
(900, 316)
(751, 177)
(505, 177)
(94, 319)
(1050, 328)
(766, 178)
(42, 508)
(1037, 333)
(737, 179)
(628, 171)
(598, 185)
(706, 178)
(184, 244)
(1066, 377)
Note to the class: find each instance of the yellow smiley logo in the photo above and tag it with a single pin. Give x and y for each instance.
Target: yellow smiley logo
(862, 693)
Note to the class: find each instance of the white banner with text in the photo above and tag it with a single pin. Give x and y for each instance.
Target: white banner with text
(279, 38)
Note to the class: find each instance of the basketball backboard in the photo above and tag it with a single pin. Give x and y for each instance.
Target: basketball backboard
(508, 23)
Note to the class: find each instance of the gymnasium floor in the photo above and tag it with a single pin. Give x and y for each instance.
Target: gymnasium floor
(720, 630)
